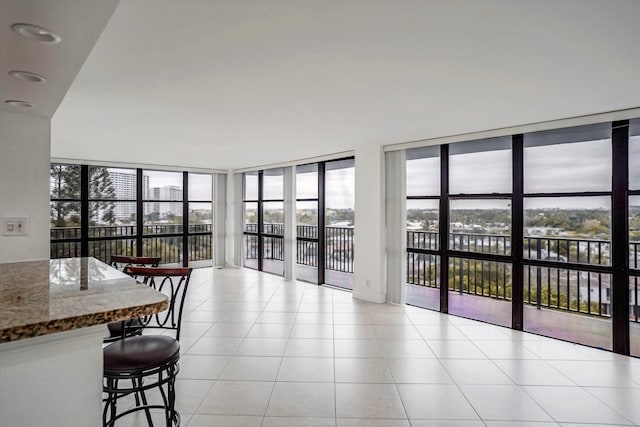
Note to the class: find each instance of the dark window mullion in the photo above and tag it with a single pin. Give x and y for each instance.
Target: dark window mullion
(260, 221)
(491, 196)
(423, 197)
(444, 228)
(517, 234)
(620, 237)
(322, 241)
(84, 210)
(570, 194)
(139, 212)
(185, 219)
(113, 200)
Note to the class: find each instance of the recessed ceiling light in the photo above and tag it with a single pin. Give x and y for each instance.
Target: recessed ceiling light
(35, 32)
(28, 76)
(18, 103)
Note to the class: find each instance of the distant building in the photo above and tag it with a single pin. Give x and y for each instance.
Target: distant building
(166, 200)
(124, 185)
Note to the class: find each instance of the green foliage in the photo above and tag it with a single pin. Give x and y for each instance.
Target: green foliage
(307, 217)
(477, 278)
(339, 215)
(101, 187)
(65, 184)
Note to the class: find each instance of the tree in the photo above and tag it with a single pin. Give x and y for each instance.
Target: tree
(65, 184)
(101, 187)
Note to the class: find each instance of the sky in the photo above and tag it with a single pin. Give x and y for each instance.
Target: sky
(339, 187)
(576, 167)
(200, 185)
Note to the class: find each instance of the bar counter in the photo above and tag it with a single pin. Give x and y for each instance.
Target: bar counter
(53, 316)
(43, 297)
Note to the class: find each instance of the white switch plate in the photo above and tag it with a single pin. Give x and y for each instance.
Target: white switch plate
(15, 226)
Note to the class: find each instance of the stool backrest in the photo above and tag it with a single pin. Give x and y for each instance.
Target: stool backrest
(173, 282)
(121, 262)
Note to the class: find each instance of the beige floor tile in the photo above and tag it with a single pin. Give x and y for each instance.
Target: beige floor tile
(201, 367)
(237, 398)
(306, 369)
(200, 420)
(302, 400)
(298, 422)
(251, 368)
(262, 347)
(352, 370)
(309, 347)
(368, 401)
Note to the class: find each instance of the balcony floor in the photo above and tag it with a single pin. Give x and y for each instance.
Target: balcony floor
(259, 351)
(576, 328)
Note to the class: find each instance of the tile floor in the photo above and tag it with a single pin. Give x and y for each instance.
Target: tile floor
(259, 351)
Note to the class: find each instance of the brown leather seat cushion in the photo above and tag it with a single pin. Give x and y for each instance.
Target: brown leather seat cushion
(140, 353)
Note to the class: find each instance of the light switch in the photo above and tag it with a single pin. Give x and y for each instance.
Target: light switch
(15, 226)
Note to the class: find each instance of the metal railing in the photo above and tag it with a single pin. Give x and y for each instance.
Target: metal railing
(480, 277)
(339, 245)
(558, 288)
(158, 240)
(339, 249)
(634, 255)
(568, 290)
(579, 251)
(275, 229)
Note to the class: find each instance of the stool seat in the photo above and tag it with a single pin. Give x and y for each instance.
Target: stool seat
(135, 364)
(140, 353)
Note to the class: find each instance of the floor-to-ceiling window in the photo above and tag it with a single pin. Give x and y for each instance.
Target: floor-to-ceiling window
(250, 218)
(423, 227)
(480, 230)
(102, 211)
(112, 212)
(65, 213)
(325, 222)
(538, 232)
(263, 213)
(272, 226)
(309, 260)
(634, 235)
(324, 211)
(567, 232)
(200, 216)
(339, 211)
(163, 215)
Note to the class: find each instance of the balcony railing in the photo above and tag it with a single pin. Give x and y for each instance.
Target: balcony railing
(339, 245)
(275, 229)
(558, 288)
(158, 240)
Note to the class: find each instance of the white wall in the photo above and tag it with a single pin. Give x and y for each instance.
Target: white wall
(219, 219)
(369, 266)
(234, 220)
(24, 183)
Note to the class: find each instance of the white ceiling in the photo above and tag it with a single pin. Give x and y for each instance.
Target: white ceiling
(243, 83)
(78, 23)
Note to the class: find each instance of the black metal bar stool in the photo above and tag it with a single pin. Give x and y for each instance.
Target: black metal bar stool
(118, 330)
(135, 364)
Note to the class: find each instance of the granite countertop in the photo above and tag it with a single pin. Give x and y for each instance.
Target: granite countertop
(43, 297)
